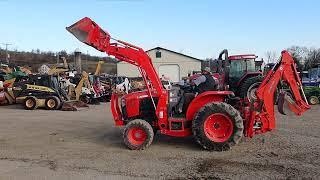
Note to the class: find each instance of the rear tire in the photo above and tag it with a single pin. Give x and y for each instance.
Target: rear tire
(313, 100)
(138, 135)
(217, 126)
(249, 87)
(30, 103)
(52, 103)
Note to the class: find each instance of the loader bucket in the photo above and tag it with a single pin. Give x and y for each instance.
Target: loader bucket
(287, 105)
(88, 32)
(73, 105)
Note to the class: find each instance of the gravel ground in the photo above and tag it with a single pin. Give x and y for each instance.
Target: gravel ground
(85, 145)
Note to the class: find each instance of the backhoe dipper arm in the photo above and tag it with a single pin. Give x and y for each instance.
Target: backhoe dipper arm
(263, 112)
(98, 68)
(88, 32)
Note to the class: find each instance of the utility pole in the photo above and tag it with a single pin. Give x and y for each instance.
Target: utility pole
(87, 60)
(77, 59)
(7, 56)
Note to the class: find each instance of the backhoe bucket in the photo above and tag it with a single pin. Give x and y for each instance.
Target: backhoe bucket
(88, 32)
(287, 105)
(73, 105)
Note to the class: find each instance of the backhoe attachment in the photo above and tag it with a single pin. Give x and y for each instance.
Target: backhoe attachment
(259, 115)
(286, 104)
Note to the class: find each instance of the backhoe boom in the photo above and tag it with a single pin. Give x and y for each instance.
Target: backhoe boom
(262, 110)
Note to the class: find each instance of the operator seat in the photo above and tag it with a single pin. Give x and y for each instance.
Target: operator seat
(188, 97)
(174, 99)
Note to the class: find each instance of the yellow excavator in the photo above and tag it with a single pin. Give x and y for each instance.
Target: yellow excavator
(101, 85)
(76, 93)
(98, 68)
(25, 70)
(55, 70)
(6, 69)
(82, 91)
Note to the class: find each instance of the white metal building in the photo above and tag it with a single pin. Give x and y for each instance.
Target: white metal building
(169, 63)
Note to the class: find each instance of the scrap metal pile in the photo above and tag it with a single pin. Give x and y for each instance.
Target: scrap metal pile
(55, 88)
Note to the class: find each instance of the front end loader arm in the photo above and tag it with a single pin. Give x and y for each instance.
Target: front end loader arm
(262, 116)
(88, 32)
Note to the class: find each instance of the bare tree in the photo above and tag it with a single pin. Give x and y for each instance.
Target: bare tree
(299, 54)
(312, 59)
(271, 56)
(299, 50)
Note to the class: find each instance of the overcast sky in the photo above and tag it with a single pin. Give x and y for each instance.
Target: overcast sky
(197, 28)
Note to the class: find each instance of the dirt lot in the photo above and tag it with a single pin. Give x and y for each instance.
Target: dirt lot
(85, 145)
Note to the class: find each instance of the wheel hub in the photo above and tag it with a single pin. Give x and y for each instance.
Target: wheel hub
(51, 103)
(29, 103)
(313, 100)
(218, 127)
(137, 135)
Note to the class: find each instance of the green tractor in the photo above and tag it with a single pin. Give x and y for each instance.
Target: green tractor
(312, 94)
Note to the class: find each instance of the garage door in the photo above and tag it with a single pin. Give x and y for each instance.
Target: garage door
(172, 71)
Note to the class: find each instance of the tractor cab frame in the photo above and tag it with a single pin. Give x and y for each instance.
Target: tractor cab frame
(237, 71)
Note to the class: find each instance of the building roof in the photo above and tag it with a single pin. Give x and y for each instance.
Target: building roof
(158, 48)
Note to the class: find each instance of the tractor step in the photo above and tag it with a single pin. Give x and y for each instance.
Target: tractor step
(178, 124)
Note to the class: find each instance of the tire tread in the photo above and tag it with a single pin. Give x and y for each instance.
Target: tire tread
(146, 126)
(204, 112)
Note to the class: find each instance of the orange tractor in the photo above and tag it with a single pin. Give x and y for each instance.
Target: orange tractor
(213, 118)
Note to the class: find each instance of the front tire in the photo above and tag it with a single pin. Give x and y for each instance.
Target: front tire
(217, 126)
(138, 135)
(52, 103)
